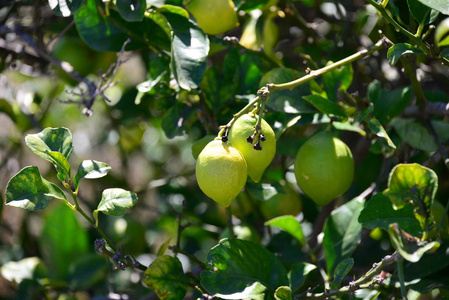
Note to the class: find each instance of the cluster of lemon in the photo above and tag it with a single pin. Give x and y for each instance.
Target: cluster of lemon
(324, 167)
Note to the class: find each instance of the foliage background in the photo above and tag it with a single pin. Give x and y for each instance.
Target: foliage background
(147, 129)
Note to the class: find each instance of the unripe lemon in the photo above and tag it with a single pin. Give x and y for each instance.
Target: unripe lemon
(221, 172)
(258, 153)
(282, 204)
(213, 16)
(324, 167)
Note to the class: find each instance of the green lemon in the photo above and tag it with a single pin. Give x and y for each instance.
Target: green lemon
(257, 160)
(214, 17)
(221, 172)
(324, 167)
(282, 204)
(442, 33)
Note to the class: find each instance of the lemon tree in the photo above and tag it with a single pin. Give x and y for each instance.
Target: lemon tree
(324, 167)
(221, 172)
(258, 147)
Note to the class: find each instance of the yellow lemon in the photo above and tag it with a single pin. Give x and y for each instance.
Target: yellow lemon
(221, 172)
(213, 16)
(324, 167)
(258, 153)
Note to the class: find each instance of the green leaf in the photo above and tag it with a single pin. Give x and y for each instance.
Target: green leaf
(325, 106)
(288, 101)
(86, 271)
(109, 33)
(377, 128)
(236, 265)
(440, 5)
(61, 164)
(409, 247)
(190, 46)
(166, 277)
(342, 232)
(341, 271)
(176, 120)
(290, 225)
(218, 92)
(50, 140)
(65, 8)
(283, 293)
(422, 13)
(199, 145)
(115, 202)
(338, 79)
(28, 190)
(415, 184)
(388, 104)
(90, 169)
(379, 213)
(298, 274)
(414, 134)
(132, 10)
(163, 248)
(265, 191)
(397, 50)
(6, 108)
(62, 239)
(428, 264)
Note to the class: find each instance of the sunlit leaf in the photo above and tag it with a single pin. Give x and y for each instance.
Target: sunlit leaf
(325, 106)
(166, 277)
(422, 13)
(298, 274)
(90, 169)
(440, 5)
(50, 140)
(28, 190)
(283, 293)
(414, 184)
(408, 246)
(17, 271)
(65, 8)
(115, 202)
(290, 225)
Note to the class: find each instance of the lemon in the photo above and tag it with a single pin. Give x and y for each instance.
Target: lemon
(324, 167)
(221, 172)
(257, 160)
(213, 16)
(282, 204)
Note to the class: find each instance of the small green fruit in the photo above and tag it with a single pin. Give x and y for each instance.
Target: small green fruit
(324, 167)
(214, 17)
(257, 160)
(221, 172)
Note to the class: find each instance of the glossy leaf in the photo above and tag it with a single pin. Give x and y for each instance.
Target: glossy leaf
(377, 128)
(342, 232)
(415, 134)
(422, 13)
(62, 237)
(283, 293)
(397, 50)
(415, 184)
(166, 277)
(409, 247)
(109, 33)
(290, 225)
(236, 265)
(288, 101)
(65, 8)
(388, 104)
(115, 202)
(176, 119)
(265, 191)
(50, 140)
(218, 92)
(379, 213)
(298, 274)
(341, 271)
(132, 10)
(439, 5)
(190, 46)
(90, 169)
(325, 106)
(61, 164)
(338, 79)
(429, 263)
(28, 190)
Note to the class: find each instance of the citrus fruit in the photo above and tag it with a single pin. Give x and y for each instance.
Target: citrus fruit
(258, 153)
(221, 172)
(281, 204)
(214, 17)
(324, 167)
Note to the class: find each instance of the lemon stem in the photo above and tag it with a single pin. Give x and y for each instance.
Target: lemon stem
(243, 111)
